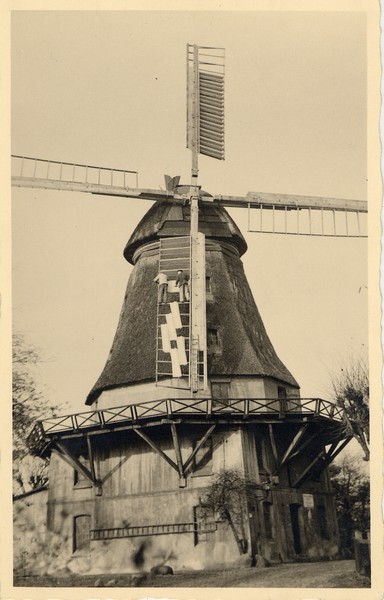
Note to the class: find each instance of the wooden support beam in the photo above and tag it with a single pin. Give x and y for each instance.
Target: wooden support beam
(75, 463)
(91, 458)
(330, 457)
(332, 448)
(304, 444)
(198, 446)
(293, 444)
(155, 448)
(179, 459)
(307, 471)
(273, 444)
(115, 468)
(99, 489)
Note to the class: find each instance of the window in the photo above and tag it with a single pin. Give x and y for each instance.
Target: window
(282, 396)
(79, 479)
(295, 513)
(204, 523)
(220, 391)
(203, 459)
(213, 337)
(208, 287)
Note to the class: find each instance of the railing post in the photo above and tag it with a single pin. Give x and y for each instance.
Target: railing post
(168, 407)
(133, 412)
(100, 414)
(74, 422)
(246, 407)
(209, 407)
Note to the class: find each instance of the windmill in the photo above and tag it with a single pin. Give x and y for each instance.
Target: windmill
(279, 430)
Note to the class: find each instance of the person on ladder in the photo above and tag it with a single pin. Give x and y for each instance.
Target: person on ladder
(183, 285)
(162, 280)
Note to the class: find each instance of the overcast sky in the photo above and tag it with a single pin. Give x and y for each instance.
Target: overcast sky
(108, 89)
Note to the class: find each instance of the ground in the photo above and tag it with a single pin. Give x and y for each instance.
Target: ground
(336, 574)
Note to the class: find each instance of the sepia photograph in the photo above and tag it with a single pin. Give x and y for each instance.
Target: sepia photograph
(195, 246)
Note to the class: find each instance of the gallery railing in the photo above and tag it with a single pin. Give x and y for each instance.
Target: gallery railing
(172, 407)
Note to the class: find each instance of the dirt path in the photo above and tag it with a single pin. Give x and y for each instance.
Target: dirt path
(336, 574)
(308, 575)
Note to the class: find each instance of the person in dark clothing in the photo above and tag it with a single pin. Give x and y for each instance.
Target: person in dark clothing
(182, 282)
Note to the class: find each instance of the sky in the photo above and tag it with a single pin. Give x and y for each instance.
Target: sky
(109, 89)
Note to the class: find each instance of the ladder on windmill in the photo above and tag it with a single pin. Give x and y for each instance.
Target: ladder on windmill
(173, 340)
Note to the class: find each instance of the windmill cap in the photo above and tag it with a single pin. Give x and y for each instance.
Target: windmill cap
(168, 219)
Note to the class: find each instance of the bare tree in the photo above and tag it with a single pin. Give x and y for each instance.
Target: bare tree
(350, 388)
(28, 404)
(228, 496)
(350, 485)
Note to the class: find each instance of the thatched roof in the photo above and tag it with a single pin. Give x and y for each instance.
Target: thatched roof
(245, 347)
(132, 356)
(167, 219)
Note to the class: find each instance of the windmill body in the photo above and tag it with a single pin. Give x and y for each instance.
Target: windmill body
(238, 345)
(130, 475)
(191, 389)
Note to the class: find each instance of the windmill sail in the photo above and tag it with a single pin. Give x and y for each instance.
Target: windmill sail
(267, 213)
(205, 100)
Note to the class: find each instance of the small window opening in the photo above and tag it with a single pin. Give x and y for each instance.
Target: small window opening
(79, 479)
(220, 391)
(213, 337)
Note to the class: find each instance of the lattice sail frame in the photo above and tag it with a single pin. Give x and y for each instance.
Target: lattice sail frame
(205, 100)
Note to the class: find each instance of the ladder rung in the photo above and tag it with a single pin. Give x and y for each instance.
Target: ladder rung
(169, 242)
(181, 253)
(178, 259)
(175, 255)
(170, 375)
(187, 326)
(169, 271)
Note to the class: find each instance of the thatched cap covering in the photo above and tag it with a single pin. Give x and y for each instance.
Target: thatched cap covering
(168, 219)
(246, 349)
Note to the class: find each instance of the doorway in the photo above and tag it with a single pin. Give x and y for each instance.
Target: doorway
(295, 510)
(81, 532)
